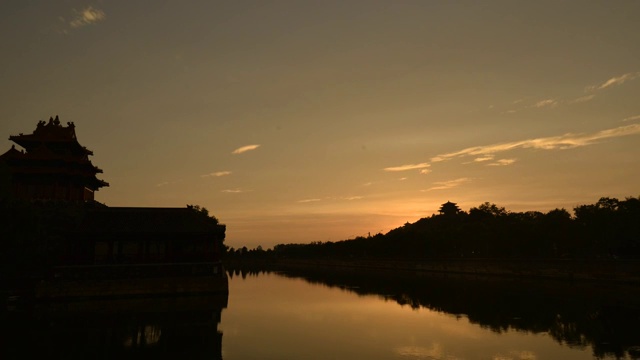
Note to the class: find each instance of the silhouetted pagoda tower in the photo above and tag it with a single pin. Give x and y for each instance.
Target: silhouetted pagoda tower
(52, 166)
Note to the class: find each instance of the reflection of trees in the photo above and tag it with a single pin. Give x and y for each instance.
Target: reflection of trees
(576, 315)
(153, 328)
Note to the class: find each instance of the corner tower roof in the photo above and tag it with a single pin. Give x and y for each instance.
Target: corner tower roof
(54, 134)
(52, 154)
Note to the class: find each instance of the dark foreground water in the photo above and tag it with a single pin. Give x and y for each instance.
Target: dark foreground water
(341, 315)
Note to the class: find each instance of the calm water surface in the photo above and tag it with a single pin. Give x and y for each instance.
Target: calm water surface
(318, 314)
(275, 317)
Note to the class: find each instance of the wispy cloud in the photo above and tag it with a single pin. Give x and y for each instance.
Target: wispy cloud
(234, 191)
(583, 99)
(616, 80)
(245, 148)
(546, 103)
(631, 118)
(309, 200)
(353, 198)
(483, 158)
(330, 199)
(402, 179)
(367, 183)
(562, 142)
(556, 102)
(217, 174)
(86, 16)
(443, 185)
(502, 162)
(566, 141)
(407, 167)
(165, 183)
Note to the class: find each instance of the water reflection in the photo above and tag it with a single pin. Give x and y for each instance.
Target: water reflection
(284, 316)
(140, 328)
(578, 315)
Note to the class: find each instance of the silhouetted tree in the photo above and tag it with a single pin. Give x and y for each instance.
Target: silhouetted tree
(487, 210)
(608, 228)
(203, 212)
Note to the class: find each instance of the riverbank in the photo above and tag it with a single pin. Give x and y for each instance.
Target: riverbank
(121, 280)
(595, 270)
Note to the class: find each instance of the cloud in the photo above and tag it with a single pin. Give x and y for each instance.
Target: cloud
(487, 152)
(367, 183)
(402, 179)
(217, 174)
(329, 198)
(483, 158)
(583, 99)
(234, 191)
(562, 142)
(443, 185)
(309, 200)
(502, 162)
(630, 118)
(551, 103)
(407, 167)
(87, 16)
(165, 183)
(246, 148)
(545, 103)
(617, 80)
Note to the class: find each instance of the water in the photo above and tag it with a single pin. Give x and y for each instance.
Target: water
(341, 315)
(323, 315)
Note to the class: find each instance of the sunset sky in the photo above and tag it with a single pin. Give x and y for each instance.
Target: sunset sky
(299, 121)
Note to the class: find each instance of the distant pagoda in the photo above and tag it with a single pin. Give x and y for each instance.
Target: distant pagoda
(52, 166)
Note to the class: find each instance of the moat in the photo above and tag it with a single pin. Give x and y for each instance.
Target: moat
(320, 314)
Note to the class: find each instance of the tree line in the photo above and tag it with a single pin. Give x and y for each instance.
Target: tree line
(609, 228)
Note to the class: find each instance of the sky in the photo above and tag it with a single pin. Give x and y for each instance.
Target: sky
(300, 121)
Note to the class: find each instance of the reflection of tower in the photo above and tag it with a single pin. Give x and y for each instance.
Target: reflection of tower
(140, 328)
(54, 167)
